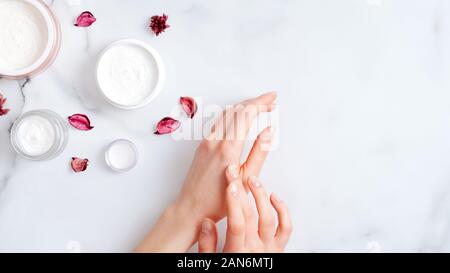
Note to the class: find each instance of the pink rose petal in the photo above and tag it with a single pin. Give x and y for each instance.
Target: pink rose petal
(3, 111)
(79, 164)
(85, 19)
(80, 122)
(189, 106)
(167, 125)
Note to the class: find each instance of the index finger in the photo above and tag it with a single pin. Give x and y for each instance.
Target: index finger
(235, 238)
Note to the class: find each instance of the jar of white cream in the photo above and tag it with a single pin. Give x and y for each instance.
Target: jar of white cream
(30, 38)
(130, 74)
(39, 135)
(121, 155)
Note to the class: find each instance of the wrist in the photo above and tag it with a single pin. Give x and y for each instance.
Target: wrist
(186, 208)
(175, 231)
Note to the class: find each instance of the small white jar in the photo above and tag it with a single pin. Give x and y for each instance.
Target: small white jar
(39, 135)
(121, 155)
(130, 74)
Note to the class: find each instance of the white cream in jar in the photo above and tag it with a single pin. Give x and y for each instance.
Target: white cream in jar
(29, 38)
(121, 155)
(39, 135)
(130, 73)
(35, 135)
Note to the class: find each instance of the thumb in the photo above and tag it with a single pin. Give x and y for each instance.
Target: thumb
(207, 239)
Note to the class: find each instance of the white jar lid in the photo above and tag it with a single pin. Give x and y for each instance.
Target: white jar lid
(121, 155)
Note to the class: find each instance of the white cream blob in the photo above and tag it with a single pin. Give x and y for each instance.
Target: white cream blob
(121, 155)
(35, 135)
(127, 73)
(23, 35)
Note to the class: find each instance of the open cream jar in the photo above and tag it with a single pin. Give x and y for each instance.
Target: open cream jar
(39, 135)
(121, 155)
(130, 74)
(30, 38)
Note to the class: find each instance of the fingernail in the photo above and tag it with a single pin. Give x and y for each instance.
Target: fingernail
(234, 189)
(276, 198)
(255, 181)
(233, 171)
(206, 227)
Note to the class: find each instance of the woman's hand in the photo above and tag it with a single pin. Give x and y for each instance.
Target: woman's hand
(203, 192)
(245, 233)
(204, 187)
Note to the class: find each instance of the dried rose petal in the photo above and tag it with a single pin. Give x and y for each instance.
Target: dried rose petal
(80, 121)
(167, 125)
(3, 111)
(189, 106)
(79, 164)
(85, 19)
(158, 23)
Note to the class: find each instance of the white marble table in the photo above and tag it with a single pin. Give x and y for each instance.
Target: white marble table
(363, 158)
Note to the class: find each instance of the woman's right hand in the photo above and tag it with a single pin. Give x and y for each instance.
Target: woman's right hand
(245, 233)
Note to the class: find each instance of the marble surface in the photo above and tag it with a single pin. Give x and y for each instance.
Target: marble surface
(363, 157)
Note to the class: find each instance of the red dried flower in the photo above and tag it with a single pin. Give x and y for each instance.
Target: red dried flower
(79, 164)
(189, 106)
(3, 111)
(166, 126)
(80, 122)
(158, 23)
(85, 19)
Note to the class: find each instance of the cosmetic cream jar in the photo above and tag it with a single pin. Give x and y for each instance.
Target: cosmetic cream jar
(121, 155)
(30, 38)
(130, 74)
(39, 135)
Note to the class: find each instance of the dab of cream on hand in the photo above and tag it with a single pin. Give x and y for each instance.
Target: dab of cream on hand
(121, 155)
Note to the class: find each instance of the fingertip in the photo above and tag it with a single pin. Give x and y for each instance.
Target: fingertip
(254, 182)
(207, 226)
(265, 99)
(272, 94)
(207, 240)
(232, 172)
(277, 203)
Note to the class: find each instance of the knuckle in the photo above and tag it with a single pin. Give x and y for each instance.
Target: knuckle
(206, 146)
(226, 150)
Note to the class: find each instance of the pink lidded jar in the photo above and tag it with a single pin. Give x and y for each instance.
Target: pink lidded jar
(30, 38)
